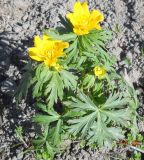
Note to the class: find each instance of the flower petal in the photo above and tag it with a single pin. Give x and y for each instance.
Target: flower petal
(100, 72)
(50, 62)
(45, 37)
(78, 8)
(98, 27)
(37, 41)
(85, 8)
(96, 16)
(34, 54)
(80, 30)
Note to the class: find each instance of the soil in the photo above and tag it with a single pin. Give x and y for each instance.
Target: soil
(20, 20)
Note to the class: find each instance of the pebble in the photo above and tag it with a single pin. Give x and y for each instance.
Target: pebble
(25, 17)
(17, 28)
(8, 87)
(26, 25)
(4, 42)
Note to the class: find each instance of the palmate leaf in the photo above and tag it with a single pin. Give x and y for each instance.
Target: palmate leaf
(54, 89)
(53, 129)
(72, 52)
(68, 79)
(42, 106)
(56, 36)
(100, 36)
(51, 84)
(89, 81)
(98, 121)
(94, 44)
(43, 146)
(82, 125)
(115, 101)
(55, 133)
(102, 135)
(47, 119)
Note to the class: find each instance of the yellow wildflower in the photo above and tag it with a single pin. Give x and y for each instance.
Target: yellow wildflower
(100, 72)
(47, 50)
(83, 20)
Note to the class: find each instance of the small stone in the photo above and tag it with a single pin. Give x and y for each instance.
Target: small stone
(8, 87)
(25, 17)
(32, 134)
(4, 42)
(17, 28)
(26, 25)
(14, 158)
(4, 63)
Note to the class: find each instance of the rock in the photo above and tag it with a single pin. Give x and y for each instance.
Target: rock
(14, 158)
(26, 25)
(8, 87)
(17, 28)
(25, 17)
(4, 42)
(4, 63)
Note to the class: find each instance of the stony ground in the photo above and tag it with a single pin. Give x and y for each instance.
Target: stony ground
(20, 20)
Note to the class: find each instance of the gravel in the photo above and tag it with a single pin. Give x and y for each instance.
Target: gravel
(20, 20)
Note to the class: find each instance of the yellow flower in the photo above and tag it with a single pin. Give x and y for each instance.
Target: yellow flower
(47, 50)
(100, 72)
(83, 20)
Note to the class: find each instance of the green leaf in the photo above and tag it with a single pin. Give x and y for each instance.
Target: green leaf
(57, 133)
(38, 70)
(37, 89)
(52, 83)
(72, 113)
(54, 88)
(45, 119)
(115, 101)
(82, 103)
(99, 133)
(103, 35)
(39, 142)
(116, 133)
(56, 36)
(98, 121)
(50, 150)
(42, 106)
(121, 116)
(86, 45)
(59, 80)
(45, 75)
(69, 80)
(72, 52)
(89, 81)
(102, 134)
(72, 46)
(81, 125)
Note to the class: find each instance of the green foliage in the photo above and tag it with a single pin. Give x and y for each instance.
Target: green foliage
(136, 144)
(51, 84)
(96, 118)
(54, 34)
(50, 142)
(19, 135)
(73, 102)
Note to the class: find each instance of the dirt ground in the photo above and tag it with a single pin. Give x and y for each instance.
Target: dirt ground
(20, 20)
